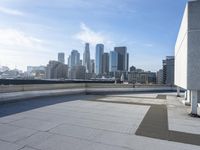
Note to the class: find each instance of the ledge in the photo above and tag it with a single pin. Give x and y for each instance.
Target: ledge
(27, 92)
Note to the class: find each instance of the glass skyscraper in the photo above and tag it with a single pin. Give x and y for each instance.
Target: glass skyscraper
(122, 58)
(105, 63)
(86, 58)
(113, 61)
(75, 58)
(99, 59)
(61, 57)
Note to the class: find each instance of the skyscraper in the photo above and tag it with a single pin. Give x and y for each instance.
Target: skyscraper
(127, 62)
(92, 66)
(75, 58)
(159, 76)
(168, 70)
(99, 59)
(73, 62)
(113, 61)
(122, 58)
(61, 57)
(86, 58)
(105, 63)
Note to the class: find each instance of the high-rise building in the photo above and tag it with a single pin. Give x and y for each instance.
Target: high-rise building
(168, 70)
(105, 63)
(56, 70)
(159, 76)
(113, 61)
(122, 58)
(78, 72)
(99, 59)
(86, 58)
(127, 62)
(75, 58)
(69, 61)
(61, 57)
(73, 62)
(92, 63)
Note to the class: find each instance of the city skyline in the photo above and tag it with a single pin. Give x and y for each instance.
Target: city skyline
(39, 30)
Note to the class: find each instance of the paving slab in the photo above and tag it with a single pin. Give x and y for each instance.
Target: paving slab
(77, 131)
(94, 124)
(9, 146)
(13, 133)
(36, 124)
(58, 142)
(35, 139)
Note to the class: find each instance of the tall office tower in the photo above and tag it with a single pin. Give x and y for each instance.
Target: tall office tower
(159, 77)
(75, 58)
(86, 58)
(73, 61)
(69, 61)
(92, 63)
(122, 58)
(99, 59)
(61, 57)
(113, 61)
(168, 70)
(105, 63)
(127, 61)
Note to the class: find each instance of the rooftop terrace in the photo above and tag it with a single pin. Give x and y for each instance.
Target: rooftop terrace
(99, 122)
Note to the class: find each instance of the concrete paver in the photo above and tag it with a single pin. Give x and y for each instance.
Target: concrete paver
(54, 124)
(9, 146)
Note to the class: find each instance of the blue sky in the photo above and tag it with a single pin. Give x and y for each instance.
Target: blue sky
(32, 32)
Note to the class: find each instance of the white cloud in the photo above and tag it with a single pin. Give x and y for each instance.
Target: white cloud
(13, 38)
(88, 35)
(20, 49)
(10, 11)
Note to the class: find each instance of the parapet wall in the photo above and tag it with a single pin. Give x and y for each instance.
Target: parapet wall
(39, 87)
(84, 86)
(19, 92)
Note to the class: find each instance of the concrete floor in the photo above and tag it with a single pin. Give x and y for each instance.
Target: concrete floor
(80, 123)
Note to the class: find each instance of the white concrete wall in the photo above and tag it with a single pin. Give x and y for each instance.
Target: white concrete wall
(181, 53)
(194, 45)
(187, 49)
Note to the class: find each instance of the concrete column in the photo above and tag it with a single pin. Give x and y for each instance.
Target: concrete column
(185, 95)
(178, 91)
(198, 97)
(194, 102)
(188, 96)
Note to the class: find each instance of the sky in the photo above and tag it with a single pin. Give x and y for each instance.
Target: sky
(32, 32)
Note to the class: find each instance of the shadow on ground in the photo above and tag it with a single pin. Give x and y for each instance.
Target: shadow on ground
(29, 104)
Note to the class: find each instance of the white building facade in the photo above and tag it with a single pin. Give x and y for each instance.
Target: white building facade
(187, 53)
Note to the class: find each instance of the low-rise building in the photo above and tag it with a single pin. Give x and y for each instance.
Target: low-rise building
(56, 70)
